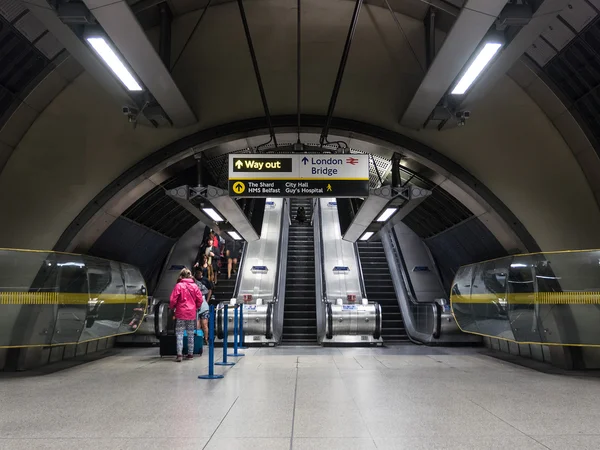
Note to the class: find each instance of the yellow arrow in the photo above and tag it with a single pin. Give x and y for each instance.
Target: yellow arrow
(239, 164)
(239, 187)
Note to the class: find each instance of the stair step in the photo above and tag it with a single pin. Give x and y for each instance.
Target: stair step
(300, 316)
(380, 289)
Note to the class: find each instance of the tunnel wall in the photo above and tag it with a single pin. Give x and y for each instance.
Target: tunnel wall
(81, 142)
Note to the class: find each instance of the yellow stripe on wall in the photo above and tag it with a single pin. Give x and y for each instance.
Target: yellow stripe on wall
(539, 298)
(56, 298)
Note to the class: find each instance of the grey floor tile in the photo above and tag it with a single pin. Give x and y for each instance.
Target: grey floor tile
(459, 443)
(403, 397)
(329, 421)
(249, 444)
(334, 444)
(432, 421)
(257, 420)
(103, 444)
(568, 442)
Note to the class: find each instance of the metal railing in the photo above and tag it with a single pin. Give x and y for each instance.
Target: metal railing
(422, 320)
(238, 275)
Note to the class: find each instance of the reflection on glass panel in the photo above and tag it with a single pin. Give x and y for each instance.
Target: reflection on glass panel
(569, 297)
(73, 296)
(523, 311)
(51, 298)
(106, 304)
(136, 298)
(461, 299)
(489, 300)
(28, 285)
(549, 298)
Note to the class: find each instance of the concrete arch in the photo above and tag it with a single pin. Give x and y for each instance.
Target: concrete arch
(140, 178)
(80, 143)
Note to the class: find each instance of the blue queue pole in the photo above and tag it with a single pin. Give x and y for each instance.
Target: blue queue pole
(225, 338)
(211, 347)
(241, 333)
(235, 334)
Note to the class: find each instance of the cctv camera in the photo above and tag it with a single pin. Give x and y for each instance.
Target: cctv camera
(129, 111)
(462, 116)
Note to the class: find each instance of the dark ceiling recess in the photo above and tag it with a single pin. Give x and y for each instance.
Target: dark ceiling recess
(575, 71)
(20, 64)
(157, 211)
(439, 212)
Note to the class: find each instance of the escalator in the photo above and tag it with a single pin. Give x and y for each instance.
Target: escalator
(380, 289)
(300, 315)
(225, 288)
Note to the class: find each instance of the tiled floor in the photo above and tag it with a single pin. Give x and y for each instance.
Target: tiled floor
(302, 398)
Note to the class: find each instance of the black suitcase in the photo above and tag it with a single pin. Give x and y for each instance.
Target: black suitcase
(168, 341)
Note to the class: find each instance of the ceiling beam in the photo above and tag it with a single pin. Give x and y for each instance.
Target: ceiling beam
(541, 19)
(472, 24)
(126, 33)
(81, 52)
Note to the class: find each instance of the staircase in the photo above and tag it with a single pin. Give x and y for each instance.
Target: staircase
(380, 289)
(300, 315)
(223, 291)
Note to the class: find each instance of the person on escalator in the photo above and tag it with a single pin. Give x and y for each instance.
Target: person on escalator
(301, 215)
(210, 254)
(186, 299)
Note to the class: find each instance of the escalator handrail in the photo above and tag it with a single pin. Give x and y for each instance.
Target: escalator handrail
(361, 276)
(157, 316)
(269, 322)
(240, 270)
(378, 321)
(280, 250)
(329, 334)
(321, 252)
(219, 320)
(410, 293)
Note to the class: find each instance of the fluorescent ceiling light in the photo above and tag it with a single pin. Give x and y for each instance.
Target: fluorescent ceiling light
(213, 214)
(234, 235)
(479, 63)
(386, 214)
(366, 236)
(111, 59)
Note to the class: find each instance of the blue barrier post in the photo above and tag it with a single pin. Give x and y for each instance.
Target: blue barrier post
(241, 334)
(211, 347)
(235, 334)
(225, 337)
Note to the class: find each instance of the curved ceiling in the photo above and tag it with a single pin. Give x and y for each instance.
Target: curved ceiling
(81, 142)
(173, 162)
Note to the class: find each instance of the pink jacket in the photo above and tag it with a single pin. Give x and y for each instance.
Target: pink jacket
(186, 299)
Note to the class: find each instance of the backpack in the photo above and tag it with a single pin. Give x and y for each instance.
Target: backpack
(203, 288)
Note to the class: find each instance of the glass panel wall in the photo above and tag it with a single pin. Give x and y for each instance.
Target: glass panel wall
(49, 298)
(547, 298)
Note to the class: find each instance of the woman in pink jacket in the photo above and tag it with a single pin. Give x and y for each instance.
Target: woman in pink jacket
(186, 299)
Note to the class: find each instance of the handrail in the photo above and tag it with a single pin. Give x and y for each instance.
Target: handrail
(401, 278)
(361, 276)
(319, 242)
(320, 287)
(236, 289)
(280, 248)
(315, 202)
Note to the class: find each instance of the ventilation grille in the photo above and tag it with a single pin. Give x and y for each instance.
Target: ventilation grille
(27, 53)
(576, 72)
(159, 212)
(438, 212)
